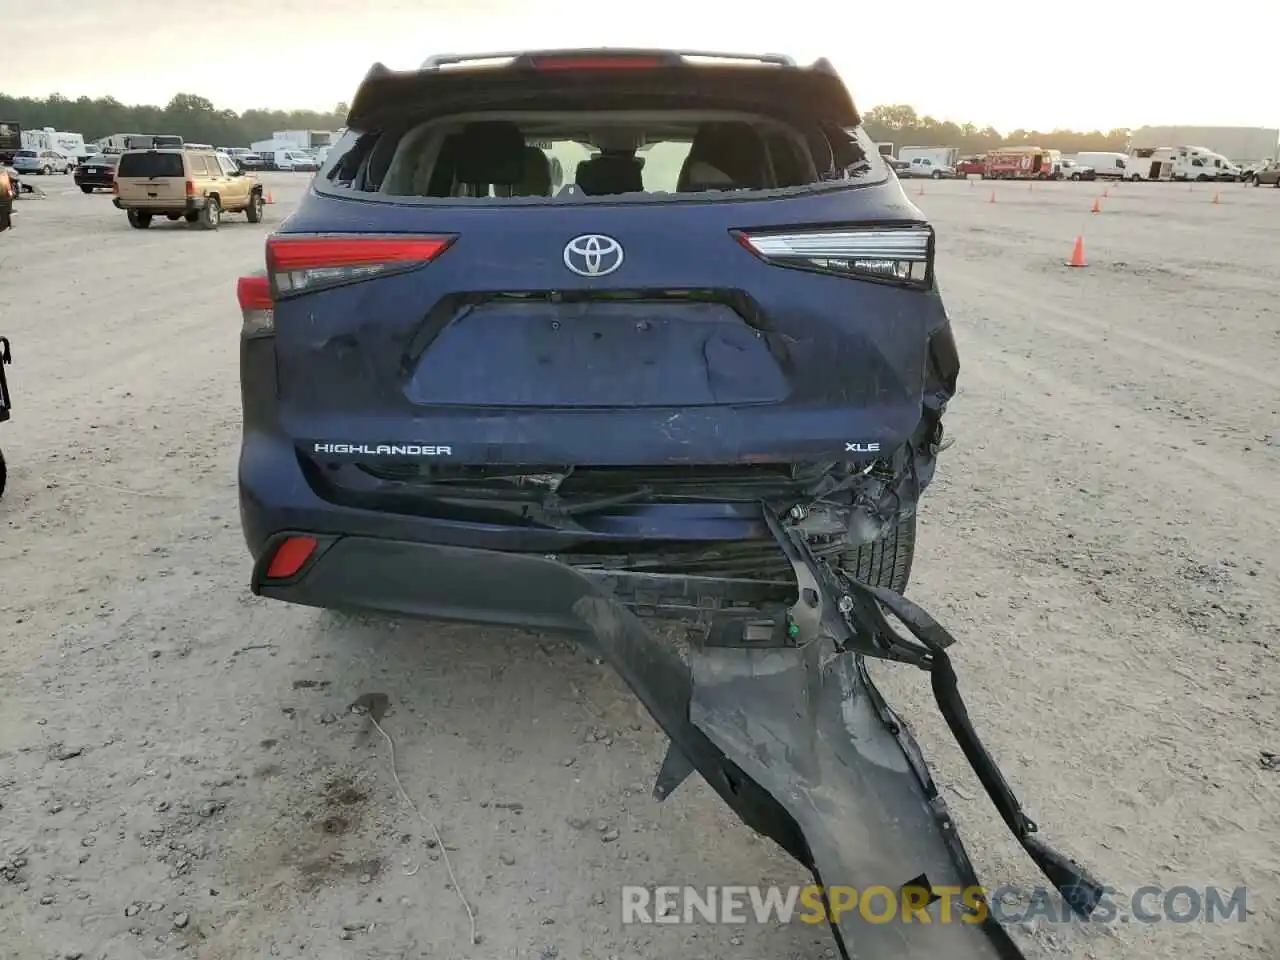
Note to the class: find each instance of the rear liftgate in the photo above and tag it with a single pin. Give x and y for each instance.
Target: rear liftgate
(780, 716)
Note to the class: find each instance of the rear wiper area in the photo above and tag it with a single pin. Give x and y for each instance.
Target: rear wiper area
(776, 710)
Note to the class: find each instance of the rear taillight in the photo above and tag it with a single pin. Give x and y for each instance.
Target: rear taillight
(899, 255)
(300, 264)
(191, 188)
(256, 306)
(115, 187)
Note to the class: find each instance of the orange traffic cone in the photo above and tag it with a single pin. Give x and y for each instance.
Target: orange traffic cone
(993, 197)
(1077, 254)
(1216, 199)
(270, 199)
(1097, 206)
(921, 191)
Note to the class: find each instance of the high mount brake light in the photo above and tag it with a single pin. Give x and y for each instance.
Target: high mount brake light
(902, 255)
(596, 63)
(299, 264)
(256, 306)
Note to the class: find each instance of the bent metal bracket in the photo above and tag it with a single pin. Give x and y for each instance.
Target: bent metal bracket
(779, 714)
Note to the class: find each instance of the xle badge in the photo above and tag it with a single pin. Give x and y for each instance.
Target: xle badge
(862, 448)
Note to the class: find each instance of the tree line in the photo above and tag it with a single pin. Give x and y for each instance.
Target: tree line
(192, 117)
(197, 120)
(900, 125)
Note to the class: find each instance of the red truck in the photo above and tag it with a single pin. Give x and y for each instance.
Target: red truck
(970, 165)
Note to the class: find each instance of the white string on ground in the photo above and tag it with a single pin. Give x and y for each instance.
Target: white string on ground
(444, 854)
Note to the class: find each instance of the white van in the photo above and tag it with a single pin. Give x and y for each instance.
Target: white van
(294, 160)
(1106, 164)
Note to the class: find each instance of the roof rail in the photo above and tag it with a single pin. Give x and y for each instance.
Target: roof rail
(448, 59)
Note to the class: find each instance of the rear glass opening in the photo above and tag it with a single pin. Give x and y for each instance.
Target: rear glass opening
(151, 165)
(577, 156)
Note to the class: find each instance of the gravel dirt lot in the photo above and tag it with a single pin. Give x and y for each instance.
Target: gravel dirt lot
(180, 774)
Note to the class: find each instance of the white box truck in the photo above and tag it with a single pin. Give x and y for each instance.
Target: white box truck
(937, 156)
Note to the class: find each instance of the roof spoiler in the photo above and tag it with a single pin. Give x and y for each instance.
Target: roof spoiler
(673, 58)
(520, 73)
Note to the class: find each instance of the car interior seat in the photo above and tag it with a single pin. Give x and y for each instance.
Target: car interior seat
(536, 181)
(610, 173)
(489, 153)
(724, 155)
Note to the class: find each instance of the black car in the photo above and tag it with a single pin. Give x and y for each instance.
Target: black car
(97, 172)
(451, 374)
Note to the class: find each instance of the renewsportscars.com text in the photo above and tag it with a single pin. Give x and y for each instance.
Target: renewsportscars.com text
(882, 904)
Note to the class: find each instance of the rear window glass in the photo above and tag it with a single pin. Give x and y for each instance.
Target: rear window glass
(579, 155)
(151, 165)
(25, 153)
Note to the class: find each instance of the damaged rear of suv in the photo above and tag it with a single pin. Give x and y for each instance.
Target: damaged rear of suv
(452, 371)
(705, 378)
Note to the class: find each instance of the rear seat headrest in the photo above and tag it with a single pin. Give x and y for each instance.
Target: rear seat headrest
(491, 151)
(536, 181)
(732, 147)
(610, 173)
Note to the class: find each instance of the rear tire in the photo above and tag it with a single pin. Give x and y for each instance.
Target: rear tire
(139, 219)
(4, 474)
(210, 214)
(46, 171)
(191, 217)
(84, 189)
(885, 562)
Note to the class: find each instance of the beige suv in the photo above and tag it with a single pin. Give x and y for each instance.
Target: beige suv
(196, 183)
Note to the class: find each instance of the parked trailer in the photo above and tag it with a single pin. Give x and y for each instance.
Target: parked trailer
(10, 139)
(1150, 163)
(1019, 163)
(120, 142)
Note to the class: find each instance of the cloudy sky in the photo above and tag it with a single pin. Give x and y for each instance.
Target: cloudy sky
(1052, 63)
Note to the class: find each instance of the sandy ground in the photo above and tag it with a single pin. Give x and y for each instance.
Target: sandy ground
(180, 776)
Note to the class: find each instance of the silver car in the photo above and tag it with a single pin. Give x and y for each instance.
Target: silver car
(41, 161)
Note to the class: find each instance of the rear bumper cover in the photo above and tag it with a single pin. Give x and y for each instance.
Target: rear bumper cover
(429, 580)
(190, 205)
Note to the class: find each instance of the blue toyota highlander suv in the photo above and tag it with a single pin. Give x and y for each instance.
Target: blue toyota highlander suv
(466, 384)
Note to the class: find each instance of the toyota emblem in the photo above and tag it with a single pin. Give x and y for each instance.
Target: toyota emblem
(593, 255)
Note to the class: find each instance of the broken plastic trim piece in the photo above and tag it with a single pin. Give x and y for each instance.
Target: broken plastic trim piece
(788, 728)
